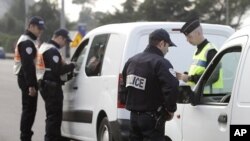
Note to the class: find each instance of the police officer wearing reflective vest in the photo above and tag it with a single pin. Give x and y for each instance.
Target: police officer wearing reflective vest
(50, 69)
(150, 89)
(24, 68)
(203, 55)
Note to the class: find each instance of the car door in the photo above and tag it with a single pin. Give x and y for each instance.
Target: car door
(240, 109)
(209, 119)
(72, 87)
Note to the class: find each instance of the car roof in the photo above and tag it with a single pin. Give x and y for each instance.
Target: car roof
(127, 28)
(241, 32)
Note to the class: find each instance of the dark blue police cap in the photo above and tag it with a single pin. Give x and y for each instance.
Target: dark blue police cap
(161, 34)
(64, 33)
(190, 26)
(38, 21)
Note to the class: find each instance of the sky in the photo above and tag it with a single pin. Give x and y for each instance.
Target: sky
(72, 10)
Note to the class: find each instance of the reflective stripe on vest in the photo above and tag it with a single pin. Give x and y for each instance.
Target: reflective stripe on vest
(199, 65)
(40, 65)
(17, 58)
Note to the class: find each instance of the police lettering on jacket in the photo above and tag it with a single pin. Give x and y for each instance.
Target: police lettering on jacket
(136, 82)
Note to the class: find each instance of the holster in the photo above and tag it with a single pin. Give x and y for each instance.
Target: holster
(161, 117)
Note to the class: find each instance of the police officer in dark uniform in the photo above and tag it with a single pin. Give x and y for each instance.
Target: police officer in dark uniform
(203, 55)
(150, 89)
(24, 68)
(50, 69)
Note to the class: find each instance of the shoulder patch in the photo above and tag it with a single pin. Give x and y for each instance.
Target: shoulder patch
(171, 70)
(29, 50)
(56, 59)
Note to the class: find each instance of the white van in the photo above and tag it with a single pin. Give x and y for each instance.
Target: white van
(91, 109)
(210, 115)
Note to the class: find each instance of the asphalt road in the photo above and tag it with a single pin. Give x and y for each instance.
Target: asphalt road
(10, 107)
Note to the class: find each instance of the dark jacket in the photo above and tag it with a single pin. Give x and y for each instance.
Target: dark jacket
(28, 51)
(57, 66)
(152, 70)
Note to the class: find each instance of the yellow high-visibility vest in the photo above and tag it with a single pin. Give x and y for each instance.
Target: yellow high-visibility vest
(199, 65)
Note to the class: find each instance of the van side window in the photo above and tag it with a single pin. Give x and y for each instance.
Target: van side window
(218, 87)
(79, 54)
(96, 55)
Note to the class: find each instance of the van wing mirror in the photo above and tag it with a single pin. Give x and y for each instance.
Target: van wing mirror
(186, 95)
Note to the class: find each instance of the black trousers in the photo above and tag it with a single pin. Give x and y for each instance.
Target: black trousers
(142, 128)
(29, 106)
(53, 98)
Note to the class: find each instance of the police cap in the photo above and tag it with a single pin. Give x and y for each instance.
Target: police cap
(161, 34)
(38, 21)
(64, 33)
(190, 26)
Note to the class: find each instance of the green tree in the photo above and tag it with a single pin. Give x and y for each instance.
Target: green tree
(128, 14)
(181, 10)
(216, 11)
(164, 10)
(12, 25)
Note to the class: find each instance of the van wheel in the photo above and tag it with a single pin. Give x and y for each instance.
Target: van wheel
(104, 133)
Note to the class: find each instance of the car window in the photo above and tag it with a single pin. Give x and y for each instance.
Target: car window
(79, 54)
(96, 55)
(218, 86)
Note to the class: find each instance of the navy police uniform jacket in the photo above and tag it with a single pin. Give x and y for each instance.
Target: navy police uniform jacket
(149, 82)
(27, 51)
(53, 60)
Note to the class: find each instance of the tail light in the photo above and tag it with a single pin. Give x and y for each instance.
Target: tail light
(120, 82)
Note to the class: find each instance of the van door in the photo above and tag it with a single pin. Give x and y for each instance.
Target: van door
(241, 101)
(72, 87)
(210, 118)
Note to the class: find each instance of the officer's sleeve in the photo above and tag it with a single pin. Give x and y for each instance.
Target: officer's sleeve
(55, 63)
(65, 68)
(123, 90)
(28, 52)
(216, 73)
(53, 58)
(169, 84)
(210, 55)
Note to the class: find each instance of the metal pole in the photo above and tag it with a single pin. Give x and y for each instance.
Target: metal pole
(65, 52)
(25, 13)
(62, 16)
(227, 12)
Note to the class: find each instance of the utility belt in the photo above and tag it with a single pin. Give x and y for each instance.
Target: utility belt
(152, 114)
(43, 83)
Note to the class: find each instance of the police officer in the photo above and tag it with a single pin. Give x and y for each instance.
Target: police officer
(24, 68)
(150, 89)
(203, 55)
(50, 68)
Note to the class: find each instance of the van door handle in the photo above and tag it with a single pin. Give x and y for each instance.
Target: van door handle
(75, 87)
(222, 118)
